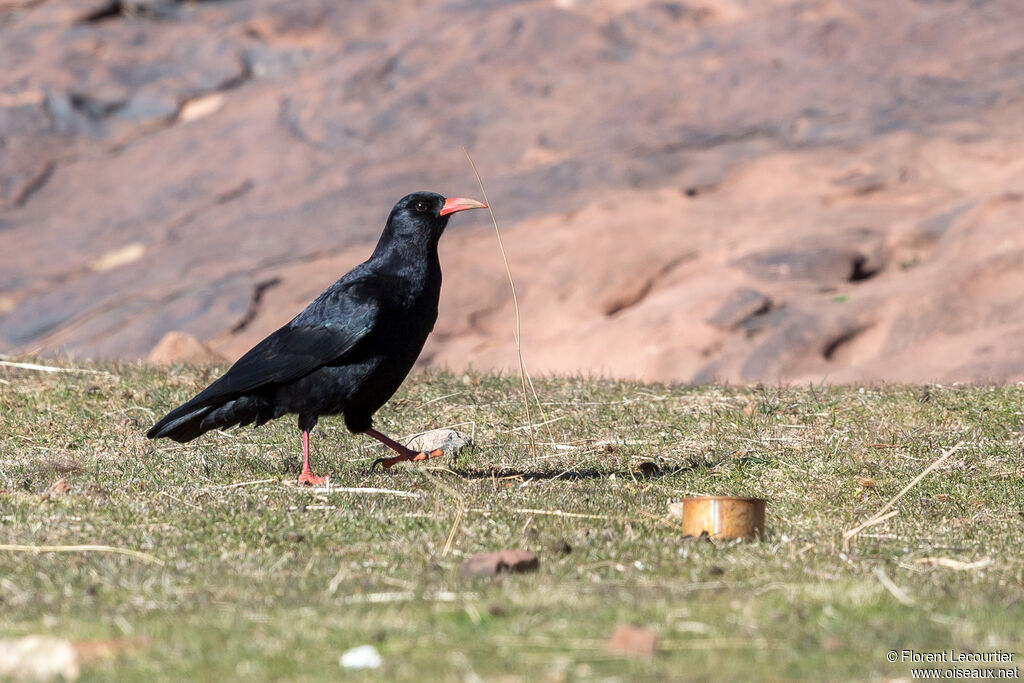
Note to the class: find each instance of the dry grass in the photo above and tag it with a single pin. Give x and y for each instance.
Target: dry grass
(268, 581)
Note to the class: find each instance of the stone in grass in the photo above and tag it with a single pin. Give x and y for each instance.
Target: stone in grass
(59, 488)
(448, 440)
(38, 658)
(362, 657)
(510, 561)
(634, 641)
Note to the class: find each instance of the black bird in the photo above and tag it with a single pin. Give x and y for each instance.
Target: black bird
(348, 351)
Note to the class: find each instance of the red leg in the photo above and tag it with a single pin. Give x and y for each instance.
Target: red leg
(404, 454)
(307, 477)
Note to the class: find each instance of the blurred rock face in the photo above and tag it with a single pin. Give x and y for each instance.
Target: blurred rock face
(743, 191)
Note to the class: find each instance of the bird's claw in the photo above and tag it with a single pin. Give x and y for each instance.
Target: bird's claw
(310, 479)
(388, 463)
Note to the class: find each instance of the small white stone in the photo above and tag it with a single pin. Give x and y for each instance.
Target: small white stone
(38, 658)
(362, 657)
(450, 441)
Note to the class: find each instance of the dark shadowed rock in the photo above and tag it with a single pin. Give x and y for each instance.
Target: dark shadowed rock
(827, 265)
(741, 305)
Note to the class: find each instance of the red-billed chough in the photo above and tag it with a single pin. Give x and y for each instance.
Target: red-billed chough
(348, 351)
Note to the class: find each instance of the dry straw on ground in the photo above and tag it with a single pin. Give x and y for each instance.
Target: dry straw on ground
(881, 515)
(524, 375)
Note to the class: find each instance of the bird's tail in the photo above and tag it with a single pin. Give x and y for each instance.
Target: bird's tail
(188, 421)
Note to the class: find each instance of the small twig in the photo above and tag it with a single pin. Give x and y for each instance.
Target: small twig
(957, 565)
(440, 398)
(404, 596)
(869, 523)
(52, 368)
(82, 549)
(241, 483)
(852, 533)
(183, 502)
(515, 303)
(553, 513)
(544, 423)
(451, 534)
(389, 492)
(442, 468)
(332, 585)
(895, 590)
(1001, 475)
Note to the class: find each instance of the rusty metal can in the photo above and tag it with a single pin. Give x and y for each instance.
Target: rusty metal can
(724, 517)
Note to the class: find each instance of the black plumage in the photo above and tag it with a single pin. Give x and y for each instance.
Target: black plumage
(348, 351)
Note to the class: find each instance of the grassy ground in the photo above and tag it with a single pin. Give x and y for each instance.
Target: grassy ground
(262, 580)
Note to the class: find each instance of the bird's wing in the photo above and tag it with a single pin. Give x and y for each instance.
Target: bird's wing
(322, 334)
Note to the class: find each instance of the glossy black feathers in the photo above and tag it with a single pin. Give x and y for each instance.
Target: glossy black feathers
(348, 351)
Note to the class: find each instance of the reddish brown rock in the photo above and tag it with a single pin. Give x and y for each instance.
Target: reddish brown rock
(854, 163)
(181, 348)
(507, 561)
(59, 488)
(634, 641)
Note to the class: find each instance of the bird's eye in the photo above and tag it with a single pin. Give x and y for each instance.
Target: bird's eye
(422, 206)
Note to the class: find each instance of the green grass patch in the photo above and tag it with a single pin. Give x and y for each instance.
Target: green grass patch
(263, 580)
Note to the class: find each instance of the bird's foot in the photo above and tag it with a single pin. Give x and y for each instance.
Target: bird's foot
(387, 463)
(310, 479)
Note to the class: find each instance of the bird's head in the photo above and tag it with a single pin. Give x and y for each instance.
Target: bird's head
(424, 215)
